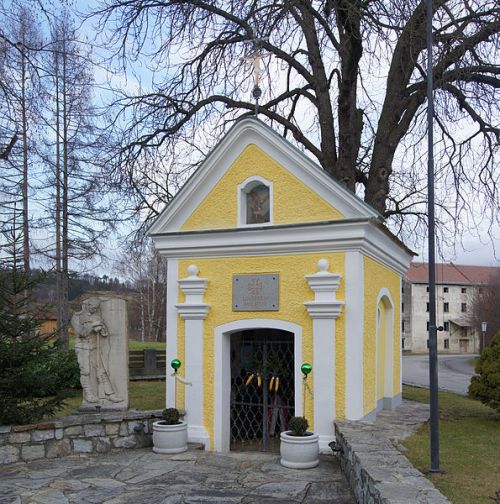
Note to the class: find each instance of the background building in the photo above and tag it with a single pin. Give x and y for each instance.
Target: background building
(457, 287)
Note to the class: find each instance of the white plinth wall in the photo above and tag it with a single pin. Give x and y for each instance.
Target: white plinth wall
(324, 310)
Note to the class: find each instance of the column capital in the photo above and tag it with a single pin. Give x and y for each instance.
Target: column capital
(194, 289)
(324, 285)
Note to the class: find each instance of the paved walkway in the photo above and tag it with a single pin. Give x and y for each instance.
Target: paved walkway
(141, 476)
(454, 371)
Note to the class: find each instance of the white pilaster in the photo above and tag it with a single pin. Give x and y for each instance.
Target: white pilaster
(354, 320)
(171, 337)
(194, 311)
(324, 310)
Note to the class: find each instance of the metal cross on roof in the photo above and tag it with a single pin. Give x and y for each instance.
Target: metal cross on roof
(256, 57)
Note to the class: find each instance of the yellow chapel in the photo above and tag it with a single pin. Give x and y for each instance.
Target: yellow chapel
(273, 263)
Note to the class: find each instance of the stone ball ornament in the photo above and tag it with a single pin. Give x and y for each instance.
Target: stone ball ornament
(323, 265)
(176, 364)
(193, 270)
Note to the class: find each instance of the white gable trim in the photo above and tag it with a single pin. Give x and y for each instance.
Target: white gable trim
(251, 131)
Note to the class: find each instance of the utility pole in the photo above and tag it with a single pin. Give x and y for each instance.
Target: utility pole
(433, 370)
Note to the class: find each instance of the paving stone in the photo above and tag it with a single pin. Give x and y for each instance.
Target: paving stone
(69, 485)
(49, 496)
(282, 490)
(32, 452)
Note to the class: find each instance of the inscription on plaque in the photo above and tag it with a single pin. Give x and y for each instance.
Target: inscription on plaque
(256, 292)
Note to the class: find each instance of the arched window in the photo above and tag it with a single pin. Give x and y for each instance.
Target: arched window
(255, 202)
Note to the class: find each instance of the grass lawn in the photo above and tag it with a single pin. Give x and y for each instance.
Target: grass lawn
(469, 447)
(142, 395)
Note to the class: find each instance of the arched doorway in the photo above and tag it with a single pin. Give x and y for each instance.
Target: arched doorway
(262, 388)
(385, 350)
(223, 335)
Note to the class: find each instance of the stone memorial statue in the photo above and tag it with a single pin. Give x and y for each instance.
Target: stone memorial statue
(101, 343)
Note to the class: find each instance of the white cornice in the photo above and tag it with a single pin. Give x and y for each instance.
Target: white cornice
(362, 235)
(324, 309)
(193, 311)
(245, 132)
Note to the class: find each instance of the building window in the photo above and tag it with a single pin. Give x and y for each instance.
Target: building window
(464, 307)
(446, 326)
(446, 343)
(464, 290)
(402, 343)
(402, 307)
(403, 325)
(255, 199)
(427, 343)
(445, 289)
(427, 326)
(427, 309)
(427, 288)
(446, 307)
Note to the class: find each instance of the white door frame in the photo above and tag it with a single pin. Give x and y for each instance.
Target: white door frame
(222, 334)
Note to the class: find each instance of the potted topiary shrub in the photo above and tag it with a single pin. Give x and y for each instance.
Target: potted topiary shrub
(170, 433)
(299, 448)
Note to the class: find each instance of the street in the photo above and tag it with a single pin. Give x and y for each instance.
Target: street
(454, 371)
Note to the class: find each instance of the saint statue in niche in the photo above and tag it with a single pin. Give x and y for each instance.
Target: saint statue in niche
(258, 204)
(92, 347)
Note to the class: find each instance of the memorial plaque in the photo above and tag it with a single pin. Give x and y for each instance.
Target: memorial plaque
(256, 292)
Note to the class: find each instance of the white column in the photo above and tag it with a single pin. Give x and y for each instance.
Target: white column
(324, 310)
(194, 311)
(354, 320)
(171, 336)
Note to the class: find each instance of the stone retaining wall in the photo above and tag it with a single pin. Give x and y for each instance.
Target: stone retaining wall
(86, 433)
(375, 469)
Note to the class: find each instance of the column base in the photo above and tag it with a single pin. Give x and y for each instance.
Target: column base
(198, 434)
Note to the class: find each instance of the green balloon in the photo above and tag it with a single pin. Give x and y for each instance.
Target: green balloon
(176, 364)
(306, 368)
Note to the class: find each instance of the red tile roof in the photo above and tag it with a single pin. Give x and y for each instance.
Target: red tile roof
(452, 274)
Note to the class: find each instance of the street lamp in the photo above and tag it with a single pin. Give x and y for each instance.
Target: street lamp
(484, 326)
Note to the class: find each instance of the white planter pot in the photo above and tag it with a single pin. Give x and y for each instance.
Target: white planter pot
(299, 452)
(169, 438)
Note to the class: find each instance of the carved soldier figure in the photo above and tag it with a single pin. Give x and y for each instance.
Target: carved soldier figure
(92, 347)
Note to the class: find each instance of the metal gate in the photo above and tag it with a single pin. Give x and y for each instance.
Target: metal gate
(262, 388)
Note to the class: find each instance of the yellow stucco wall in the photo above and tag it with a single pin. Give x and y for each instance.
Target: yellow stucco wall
(293, 292)
(294, 202)
(376, 277)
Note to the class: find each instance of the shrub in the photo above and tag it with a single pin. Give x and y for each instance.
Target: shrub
(298, 425)
(170, 416)
(486, 385)
(34, 376)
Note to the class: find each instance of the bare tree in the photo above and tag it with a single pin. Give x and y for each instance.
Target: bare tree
(146, 271)
(345, 79)
(21, 90)
(80, 212)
